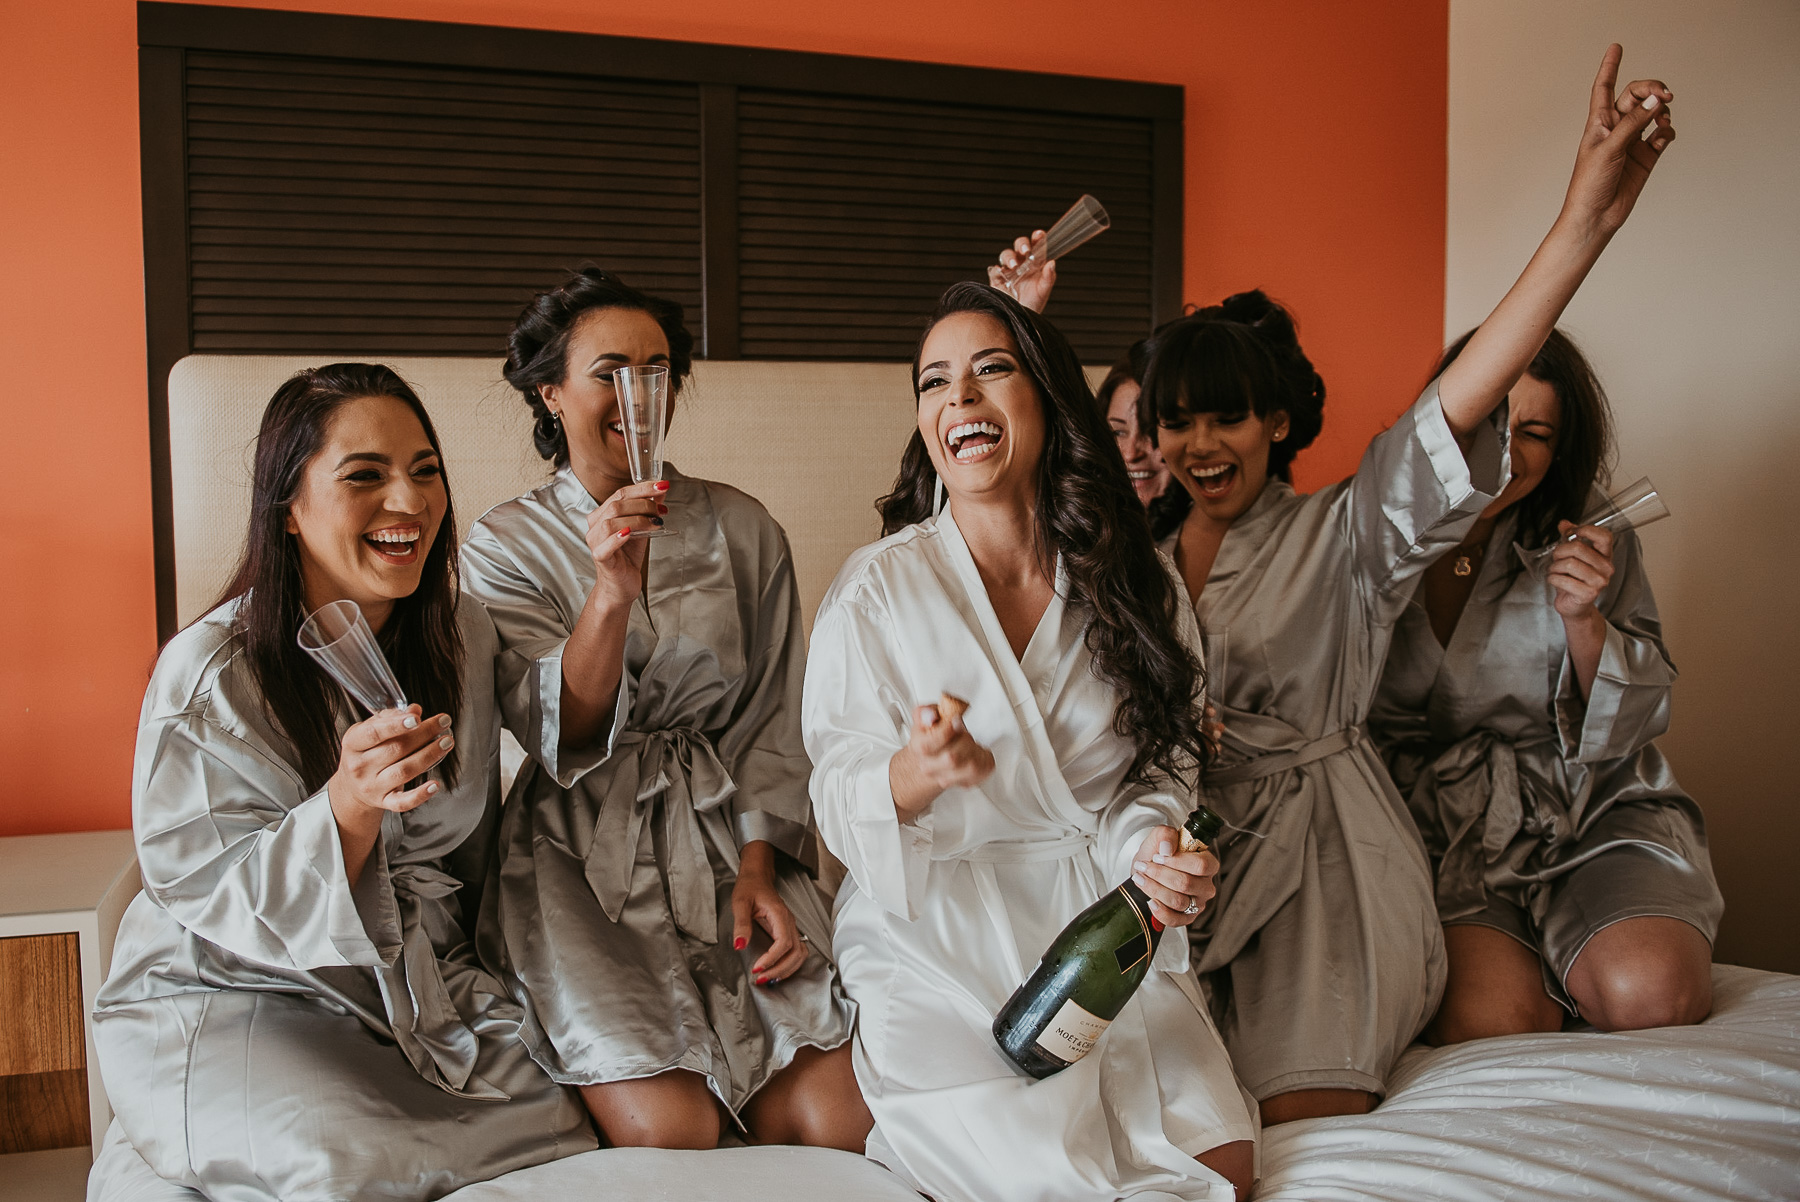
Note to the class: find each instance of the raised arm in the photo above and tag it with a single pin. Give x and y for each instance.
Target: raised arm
(1612, 165)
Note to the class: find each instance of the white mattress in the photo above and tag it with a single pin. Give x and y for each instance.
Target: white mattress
(1681, 1113)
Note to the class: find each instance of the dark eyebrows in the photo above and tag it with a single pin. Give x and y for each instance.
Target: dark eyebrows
(622, 357)
(378, 457)
(1550, 426)
(992, 350)
(941, 363)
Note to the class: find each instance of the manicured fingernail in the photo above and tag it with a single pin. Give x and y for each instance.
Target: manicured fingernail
(447, 742)
(624, 534)
(1141, 866)
(656, 521)
(662, 509)
(409, 721)
(1167, 849)
(444, 720)
(739, 943)
(662, 486)
(1650, 102)
(1159, 858)
(430, 788)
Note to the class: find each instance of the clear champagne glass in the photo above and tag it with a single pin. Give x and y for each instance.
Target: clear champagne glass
(1637, 504)
(643, 393)
(1087, 218)
(339, 638)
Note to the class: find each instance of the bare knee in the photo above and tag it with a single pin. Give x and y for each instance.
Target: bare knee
(1315, 1104)
(1236, 1162)
(1642, 973)
(672, 1110)
(813, 1101)
(1495, 987)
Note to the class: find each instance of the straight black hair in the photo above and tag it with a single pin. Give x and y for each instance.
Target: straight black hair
(420, 639)
(1087, 513)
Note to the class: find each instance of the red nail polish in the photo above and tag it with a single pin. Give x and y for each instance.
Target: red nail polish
(739, 943)
(662, 486)
(624, 534)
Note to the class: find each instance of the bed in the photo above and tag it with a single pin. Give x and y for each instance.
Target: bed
(1706, 1112)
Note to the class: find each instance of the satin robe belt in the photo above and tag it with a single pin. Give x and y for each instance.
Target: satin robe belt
(1030, 851)
(1281, 761)
(1482, 805)
(678, 770)
(424, 1021)
(981, 860)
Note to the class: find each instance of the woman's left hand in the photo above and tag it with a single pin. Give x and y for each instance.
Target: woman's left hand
(755, 903)
(1179, 883)
(1580, 568)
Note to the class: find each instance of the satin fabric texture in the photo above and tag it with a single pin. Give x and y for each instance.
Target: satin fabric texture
(269, 1032)
(1322, 954)
(610, 915)
(941, 917)
(1545, 816)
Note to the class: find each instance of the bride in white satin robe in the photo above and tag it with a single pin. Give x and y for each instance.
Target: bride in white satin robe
(942, 916)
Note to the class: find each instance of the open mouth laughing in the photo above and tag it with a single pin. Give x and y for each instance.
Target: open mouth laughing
(1216, 480)
(398, 545)
(970, 441)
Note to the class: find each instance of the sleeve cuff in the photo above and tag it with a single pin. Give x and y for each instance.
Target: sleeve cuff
(895, 856)
(362, 925)
(567, 766)
(1586, 729)
(1475, 474)
(783, 834)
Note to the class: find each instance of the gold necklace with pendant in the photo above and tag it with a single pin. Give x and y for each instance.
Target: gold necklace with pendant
(1464, 564)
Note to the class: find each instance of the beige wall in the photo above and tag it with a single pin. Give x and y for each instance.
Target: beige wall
(1693, 320)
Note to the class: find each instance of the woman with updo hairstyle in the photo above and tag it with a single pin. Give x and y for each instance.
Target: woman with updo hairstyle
(295, 1009)
(1002, 706)
(654, 913)
(1519, 722)
(1323, 956)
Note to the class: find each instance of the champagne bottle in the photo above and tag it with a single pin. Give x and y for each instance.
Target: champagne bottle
(1089, 972)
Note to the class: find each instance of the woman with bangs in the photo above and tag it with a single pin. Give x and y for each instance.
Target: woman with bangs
(295, 1010)
(1323, 956)
(1001, 709)
(1519, 722)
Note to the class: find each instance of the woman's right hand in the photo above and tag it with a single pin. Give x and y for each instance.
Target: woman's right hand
(941, 754)
(379, 756)
(1034, 290)
(619, 558)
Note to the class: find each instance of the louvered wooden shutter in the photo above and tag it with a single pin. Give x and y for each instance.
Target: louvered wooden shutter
(375, 208)
(855, 213)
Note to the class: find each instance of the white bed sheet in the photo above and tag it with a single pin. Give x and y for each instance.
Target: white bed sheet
(1678, 1113)
(1674, 1115)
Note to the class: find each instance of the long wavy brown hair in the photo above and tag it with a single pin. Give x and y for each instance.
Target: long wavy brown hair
(1088, 514)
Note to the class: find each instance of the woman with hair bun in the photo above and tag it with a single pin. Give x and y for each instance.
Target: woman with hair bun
(1519, 722)
(295, 1009)
(1003, 716)
(1323, 956)
(653, 912)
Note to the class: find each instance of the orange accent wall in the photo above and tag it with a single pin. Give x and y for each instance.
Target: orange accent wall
(1315, 169)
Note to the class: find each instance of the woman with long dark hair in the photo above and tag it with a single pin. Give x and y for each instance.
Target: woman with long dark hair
(653, 912)
(1118, 398)
(1017, 578)
(1518, 714)
(1324, 958)
(294, 1009)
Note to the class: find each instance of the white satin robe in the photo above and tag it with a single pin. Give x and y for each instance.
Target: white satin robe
(268, 1031)
(942, 917)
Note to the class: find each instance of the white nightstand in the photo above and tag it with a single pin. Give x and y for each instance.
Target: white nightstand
(74, 885)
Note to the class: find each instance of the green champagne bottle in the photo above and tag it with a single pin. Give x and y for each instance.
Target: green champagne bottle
(1090, 971)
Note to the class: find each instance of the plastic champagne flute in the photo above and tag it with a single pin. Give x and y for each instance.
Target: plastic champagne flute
(339, 638)
(1086, 219)
(1637, 504)
(643, 393)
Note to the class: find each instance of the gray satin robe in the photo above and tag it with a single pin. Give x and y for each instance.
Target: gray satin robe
(1322, 953)
(1545, 817)
(268, 1032)
(612, 915)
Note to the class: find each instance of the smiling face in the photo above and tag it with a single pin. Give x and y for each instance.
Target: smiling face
(980, 413)
(1143, 462)
(1221, 459)
(368, 508)
(602, 341)
(1534, 416)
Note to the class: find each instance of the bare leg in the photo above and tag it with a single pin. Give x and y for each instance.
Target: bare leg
(1236, 1162)
(1496, 987)
(813, 1101)
(1643, 972)
(1315, 1104)
(674, 1109)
